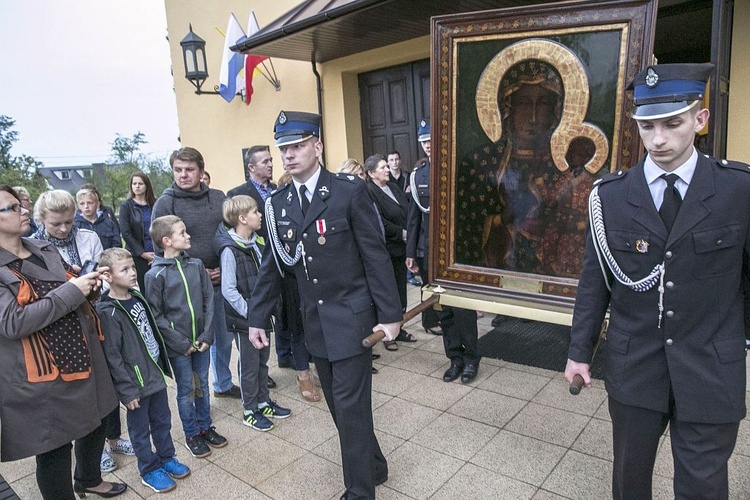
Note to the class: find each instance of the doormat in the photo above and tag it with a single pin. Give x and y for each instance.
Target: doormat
(534, 343)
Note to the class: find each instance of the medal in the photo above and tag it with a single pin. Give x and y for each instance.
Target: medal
(320, 226)
(289, 234)
(641, 246)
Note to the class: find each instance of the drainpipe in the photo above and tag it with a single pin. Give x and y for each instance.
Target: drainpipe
(320, 103)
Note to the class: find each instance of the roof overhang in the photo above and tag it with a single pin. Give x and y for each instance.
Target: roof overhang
(322, 30)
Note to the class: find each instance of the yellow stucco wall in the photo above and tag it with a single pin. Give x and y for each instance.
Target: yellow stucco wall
(219, 130)
(738, 127)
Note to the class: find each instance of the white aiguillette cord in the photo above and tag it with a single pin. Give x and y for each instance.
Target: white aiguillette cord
(603, 253)
(281, 252)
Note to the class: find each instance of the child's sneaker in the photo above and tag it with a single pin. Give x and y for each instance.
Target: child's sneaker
(213, 438)
(271, 409)
(197, 446)
(176, 469)
(122, 447)
(159, 481)
(257, 421)
(107, 463)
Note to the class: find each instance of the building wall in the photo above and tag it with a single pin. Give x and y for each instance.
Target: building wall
(738, 127)
(220, 130)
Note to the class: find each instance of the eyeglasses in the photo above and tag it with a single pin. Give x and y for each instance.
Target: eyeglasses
(16, 207)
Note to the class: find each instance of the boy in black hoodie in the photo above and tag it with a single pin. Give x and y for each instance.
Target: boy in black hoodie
(240, 249)
(137, 359)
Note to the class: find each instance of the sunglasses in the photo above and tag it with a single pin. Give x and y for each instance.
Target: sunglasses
(16, 207)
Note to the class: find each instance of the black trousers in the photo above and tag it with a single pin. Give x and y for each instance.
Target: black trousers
(53, 467)
(347, 386)
(459, 327)
(700, 452)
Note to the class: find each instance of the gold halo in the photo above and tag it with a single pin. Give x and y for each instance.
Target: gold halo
(576, 101)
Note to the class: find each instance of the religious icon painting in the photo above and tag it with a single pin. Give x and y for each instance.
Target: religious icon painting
(530, 110)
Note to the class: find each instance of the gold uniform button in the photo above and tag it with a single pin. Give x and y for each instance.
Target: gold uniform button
(668, 254)
(304, 235)
(670, 284)
(669, 342)
(315, 281)
(670, 314)
(309, 258)
(320, 302)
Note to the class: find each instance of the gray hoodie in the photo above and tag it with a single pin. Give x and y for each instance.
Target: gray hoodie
(181, 297)
(201, 213)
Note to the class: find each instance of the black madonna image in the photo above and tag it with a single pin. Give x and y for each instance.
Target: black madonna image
(532, 128)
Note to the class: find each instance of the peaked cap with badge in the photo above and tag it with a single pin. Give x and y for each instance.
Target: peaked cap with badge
(292, 127)
(666, 90)
(423, 131)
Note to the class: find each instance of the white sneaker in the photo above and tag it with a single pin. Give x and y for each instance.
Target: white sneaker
(107, 463)
(122, 447)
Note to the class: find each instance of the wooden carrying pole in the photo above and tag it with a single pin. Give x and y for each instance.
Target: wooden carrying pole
(376, 337)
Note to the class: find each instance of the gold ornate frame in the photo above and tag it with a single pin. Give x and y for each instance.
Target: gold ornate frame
(528, 33)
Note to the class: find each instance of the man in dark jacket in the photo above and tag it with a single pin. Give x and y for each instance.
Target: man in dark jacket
(346, 285)
(199, 207)
(668, 256)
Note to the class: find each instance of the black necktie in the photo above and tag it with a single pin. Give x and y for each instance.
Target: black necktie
(672, 200)
(303, 198)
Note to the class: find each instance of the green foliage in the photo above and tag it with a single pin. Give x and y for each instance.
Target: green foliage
(18, 170)
(113, 177)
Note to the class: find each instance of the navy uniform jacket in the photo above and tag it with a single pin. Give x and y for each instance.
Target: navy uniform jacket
(250, 190)
(349, 286)
(418, 223)
(699, 351)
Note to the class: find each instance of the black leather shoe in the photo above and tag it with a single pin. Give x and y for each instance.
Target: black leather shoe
(435, 330)
(453, 373)
(469, 374)
(116, 489)
(374, 371)
(380, 480)
(271, 383)
(375, 356)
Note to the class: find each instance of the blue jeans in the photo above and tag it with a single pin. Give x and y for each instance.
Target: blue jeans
(152, 420)
(193, 404)
(221, 350)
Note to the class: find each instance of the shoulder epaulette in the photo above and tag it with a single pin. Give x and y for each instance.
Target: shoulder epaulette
(346, 177)
(282, 189)
(734, 165)
(620, 174)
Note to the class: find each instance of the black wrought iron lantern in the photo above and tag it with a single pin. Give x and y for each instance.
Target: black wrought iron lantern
(194, 59)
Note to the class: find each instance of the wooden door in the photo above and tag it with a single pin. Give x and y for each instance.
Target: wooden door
(392, 103)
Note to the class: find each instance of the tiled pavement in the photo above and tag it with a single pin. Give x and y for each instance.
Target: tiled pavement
(514, 433)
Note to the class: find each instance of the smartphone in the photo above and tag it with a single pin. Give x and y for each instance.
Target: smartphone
(88, 267)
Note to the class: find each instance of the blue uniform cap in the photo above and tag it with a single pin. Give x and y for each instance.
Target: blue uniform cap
(292, 127)
(423, 132)
(666, 90)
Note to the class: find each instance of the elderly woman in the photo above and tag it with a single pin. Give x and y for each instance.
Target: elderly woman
(392, 205)
(54, 212)
(56, 386)
(135, 221)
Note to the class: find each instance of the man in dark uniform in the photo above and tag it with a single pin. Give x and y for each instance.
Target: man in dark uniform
(459, 326)
(325, 228)
(673, 236)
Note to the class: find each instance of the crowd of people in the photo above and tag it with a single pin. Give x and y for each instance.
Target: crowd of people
(121, 284)
(86, 323)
